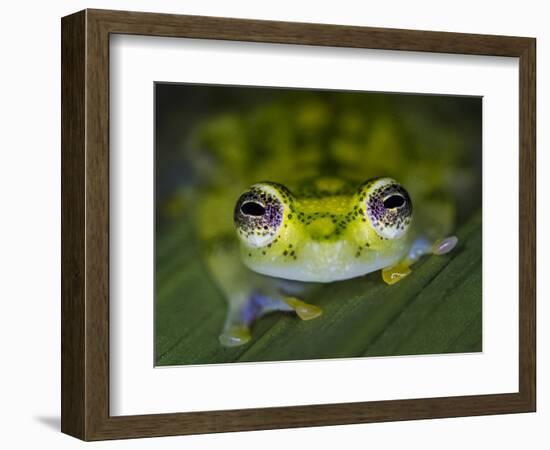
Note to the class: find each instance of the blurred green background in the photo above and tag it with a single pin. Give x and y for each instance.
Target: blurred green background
(212, 142)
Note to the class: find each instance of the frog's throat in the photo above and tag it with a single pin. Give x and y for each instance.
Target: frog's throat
(322, 263)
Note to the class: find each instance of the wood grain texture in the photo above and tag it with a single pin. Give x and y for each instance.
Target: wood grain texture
(201, 27)
(85, 224)
(97, 225)
(527, 224)
(72, 224)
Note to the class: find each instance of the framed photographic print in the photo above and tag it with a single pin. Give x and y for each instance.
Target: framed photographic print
(271, 224)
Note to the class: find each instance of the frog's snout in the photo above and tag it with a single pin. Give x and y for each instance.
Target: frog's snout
(321, 228)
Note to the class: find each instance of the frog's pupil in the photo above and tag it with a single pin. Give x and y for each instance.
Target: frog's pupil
(394, 201)
(252, 209)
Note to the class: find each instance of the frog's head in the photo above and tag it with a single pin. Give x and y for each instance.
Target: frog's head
(326, 232)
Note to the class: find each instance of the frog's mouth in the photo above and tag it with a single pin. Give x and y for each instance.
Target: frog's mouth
(322, 262)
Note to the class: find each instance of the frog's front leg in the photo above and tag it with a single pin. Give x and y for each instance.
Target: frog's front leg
(422, 246)
(251, 295)
(244, 312)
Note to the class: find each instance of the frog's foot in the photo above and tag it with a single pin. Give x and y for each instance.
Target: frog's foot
(235, 335)
(420, 247)
(393, 274)
(444, 246)
(423, 246)
(240, 320)
(304, 310)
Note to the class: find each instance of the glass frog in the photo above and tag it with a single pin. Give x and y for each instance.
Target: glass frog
(314, 188)
(325, 230)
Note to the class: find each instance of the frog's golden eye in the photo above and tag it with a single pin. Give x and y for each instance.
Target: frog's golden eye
(258, 216)
(389, 208)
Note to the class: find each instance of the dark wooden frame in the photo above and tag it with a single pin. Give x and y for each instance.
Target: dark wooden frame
(85, 224)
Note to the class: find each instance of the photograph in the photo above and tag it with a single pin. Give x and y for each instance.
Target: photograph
(306, 224)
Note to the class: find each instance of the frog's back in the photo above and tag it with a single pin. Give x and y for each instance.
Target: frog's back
(322, 187)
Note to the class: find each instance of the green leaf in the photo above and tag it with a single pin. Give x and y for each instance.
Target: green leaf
(436, 309)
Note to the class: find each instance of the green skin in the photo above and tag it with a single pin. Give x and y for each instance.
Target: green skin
(324, 233)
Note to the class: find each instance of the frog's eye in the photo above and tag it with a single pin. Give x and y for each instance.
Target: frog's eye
(389, 208)
(394, 201)
(258, 216)
(254, 209)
